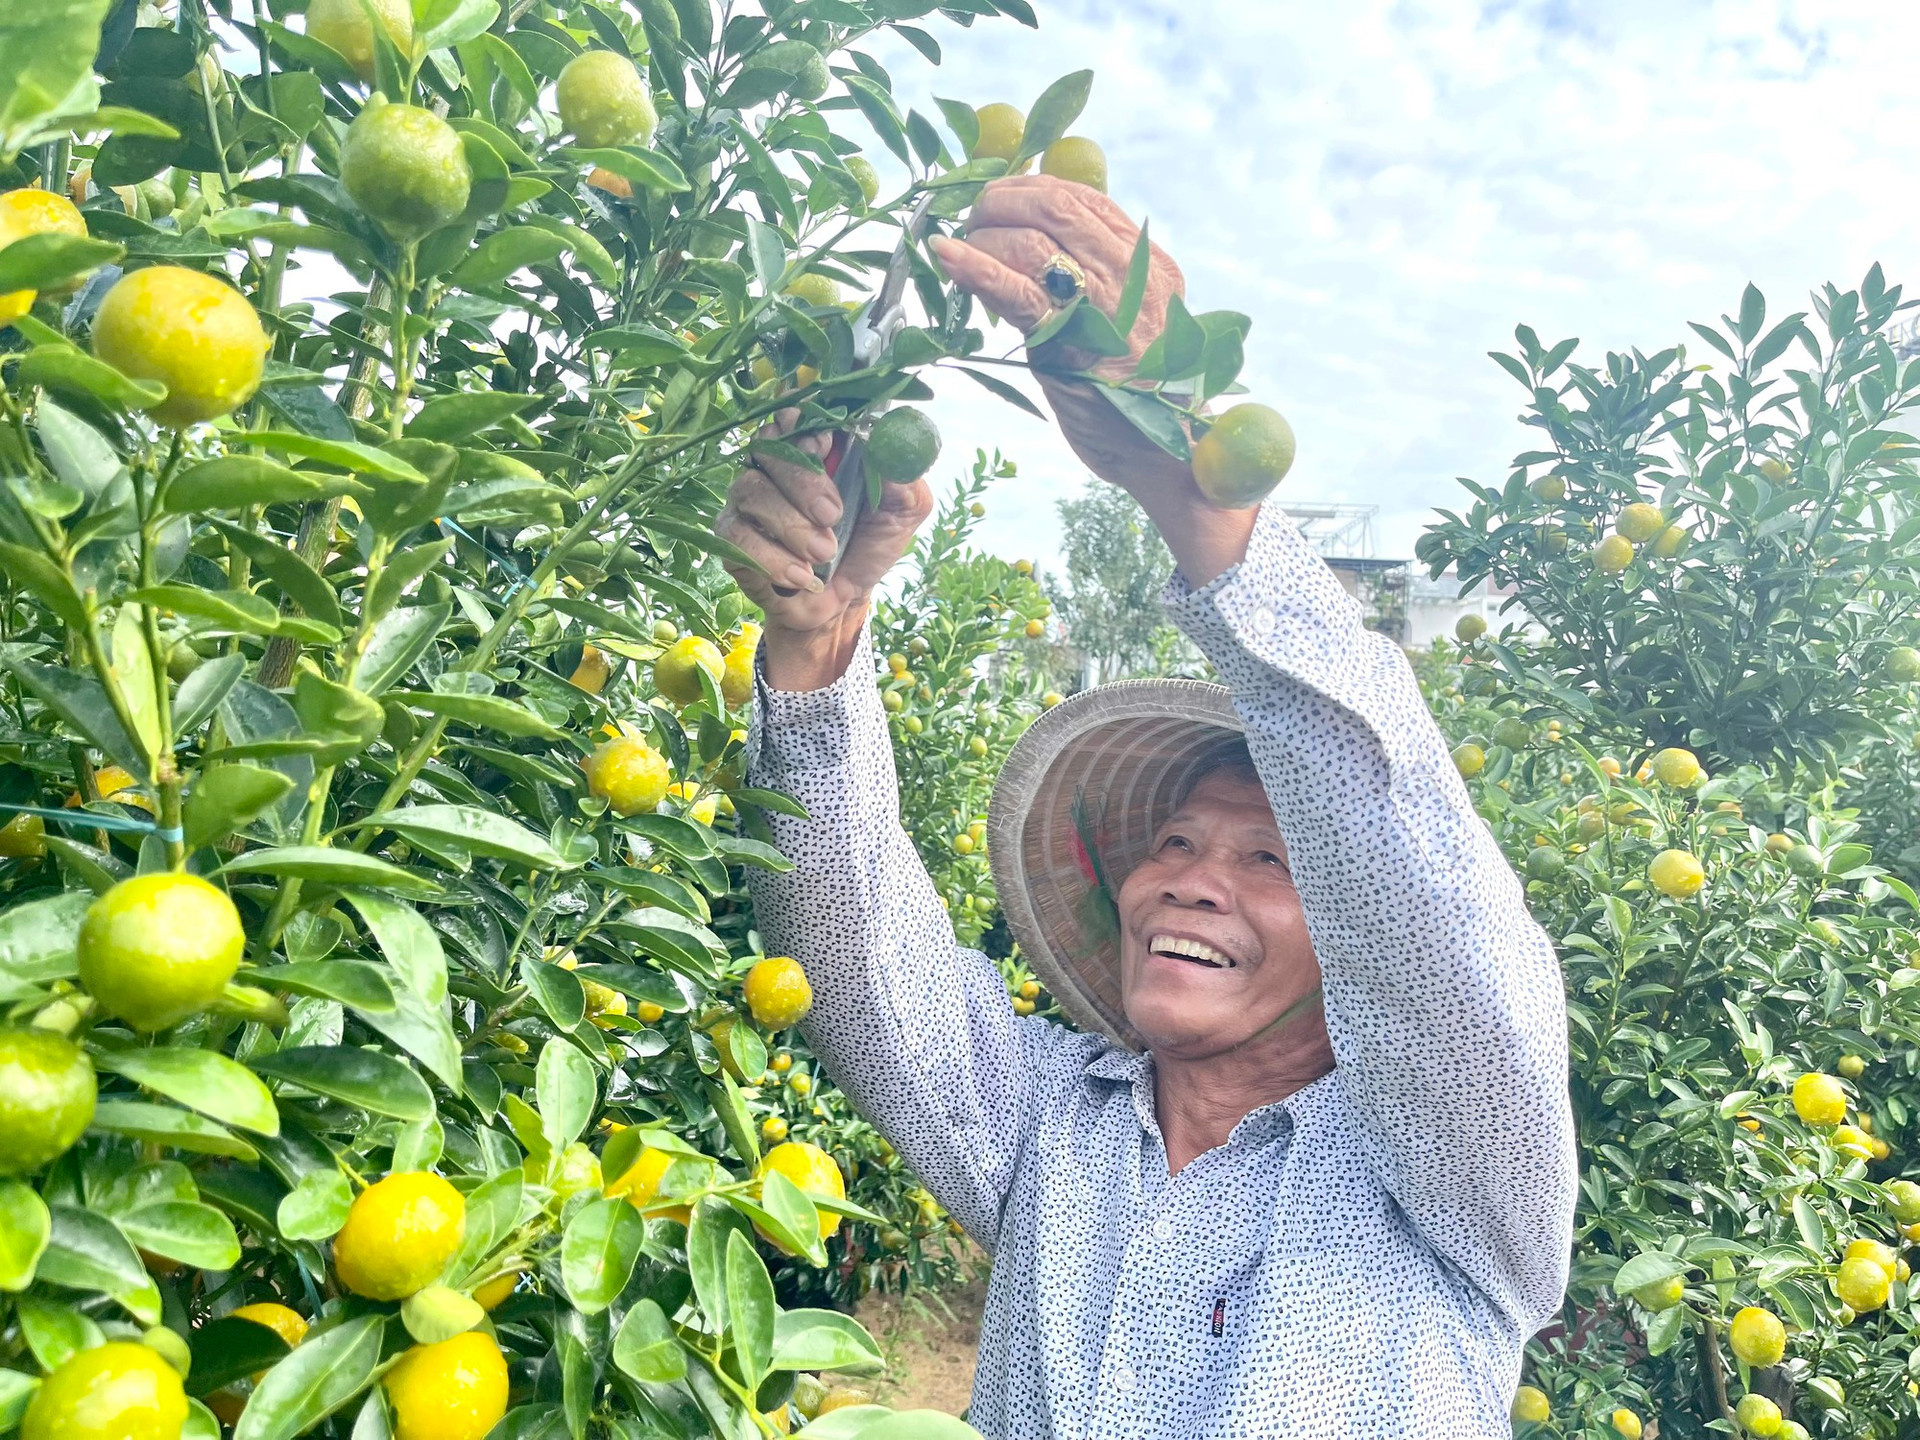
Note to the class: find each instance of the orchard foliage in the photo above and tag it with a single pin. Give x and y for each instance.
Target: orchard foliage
(1709, 1182)
(350, 653)
(1759, 620)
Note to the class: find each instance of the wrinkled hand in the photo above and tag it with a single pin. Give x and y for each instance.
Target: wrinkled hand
(782, 515)
(1016, 227)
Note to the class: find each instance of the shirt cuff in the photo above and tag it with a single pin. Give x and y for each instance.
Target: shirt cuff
(795, 731)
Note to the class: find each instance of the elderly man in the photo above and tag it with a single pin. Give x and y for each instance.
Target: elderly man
(1308, 1169)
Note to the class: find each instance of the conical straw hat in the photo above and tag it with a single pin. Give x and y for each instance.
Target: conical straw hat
(1078, 801)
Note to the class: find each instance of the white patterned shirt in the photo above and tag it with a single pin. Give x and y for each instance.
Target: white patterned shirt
(1364, 1258)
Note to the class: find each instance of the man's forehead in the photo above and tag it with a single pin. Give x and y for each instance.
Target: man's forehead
(1227, 798)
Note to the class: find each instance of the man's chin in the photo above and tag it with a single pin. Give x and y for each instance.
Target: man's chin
(1177, 1031)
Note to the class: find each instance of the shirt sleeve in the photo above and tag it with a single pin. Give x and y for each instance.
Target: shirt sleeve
(919, 1032)
(1444, 999)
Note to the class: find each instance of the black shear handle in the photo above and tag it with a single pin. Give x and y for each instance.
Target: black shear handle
(846, 464)
(846, 467)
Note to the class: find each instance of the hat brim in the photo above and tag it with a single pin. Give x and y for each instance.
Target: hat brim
(1080, 797)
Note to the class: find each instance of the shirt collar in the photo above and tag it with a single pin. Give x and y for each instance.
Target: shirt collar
(1125, 1067)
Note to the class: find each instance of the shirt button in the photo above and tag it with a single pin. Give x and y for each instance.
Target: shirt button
(1163, 1229)
(1123, 1378)
(1263, 621)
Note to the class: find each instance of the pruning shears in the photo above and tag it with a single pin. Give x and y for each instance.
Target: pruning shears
(875, 325)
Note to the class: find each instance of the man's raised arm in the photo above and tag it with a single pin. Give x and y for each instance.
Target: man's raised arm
(1443, 997)
(919, 1032)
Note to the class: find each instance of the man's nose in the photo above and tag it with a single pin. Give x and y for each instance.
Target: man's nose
(1200, 885)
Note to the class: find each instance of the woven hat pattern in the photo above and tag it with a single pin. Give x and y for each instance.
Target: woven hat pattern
(1083, 793)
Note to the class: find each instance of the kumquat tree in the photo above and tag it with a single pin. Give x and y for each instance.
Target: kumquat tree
(1718, 568)
(388, 1046)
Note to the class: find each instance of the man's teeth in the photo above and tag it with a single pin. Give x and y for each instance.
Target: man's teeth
(1179, 946)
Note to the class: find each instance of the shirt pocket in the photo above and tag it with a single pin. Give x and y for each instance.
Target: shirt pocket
(1314, 1352)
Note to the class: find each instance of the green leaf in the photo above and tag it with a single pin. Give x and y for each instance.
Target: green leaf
(201, 692)
(86, 1251)
(1179, 352)
(644, 1347)
(38, 939)
(34, 571)
(39, 262)
(822, 1340)
(230, 1349)
(1134, 292)
(707, 1238)
(994, 385)
(455, 24)
(227, 798)
(1813, 1229)
(1152, 417)
(236, 611)
(425, 1031)
(468, 413)
(962, 120)
(55, 1332)
(80, 701)
(370, 1080)
(323, 1373)
(234, 482)
(482, 712)
(358, 983)
(649, 888)
(16, 1393)
(473, 831)
(398, 641)
(203, 1080)
(1057, 108)
(598, 1252)
(71, 371)
(316, 1208)
(881, 114)
(493, 1212)
(439, 1313)
(653, 169)
(300, 581)
(183, 1230)
(637, 345)
(165, 1126)
(749, 1053)
(1647, 1268)
(345, 454)
(46, 50)
(567, 1090)
(408, 942)
(788, 1213)
(504, 252)
(332, 867)
(750, 1308)
(557, 991)
(25, 1226)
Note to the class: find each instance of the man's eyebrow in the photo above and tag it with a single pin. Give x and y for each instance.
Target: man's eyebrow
(1266, 831)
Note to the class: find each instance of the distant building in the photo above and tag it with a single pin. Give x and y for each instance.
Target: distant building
(1398, 598)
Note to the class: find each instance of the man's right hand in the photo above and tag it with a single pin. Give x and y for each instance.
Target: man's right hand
(782, 516)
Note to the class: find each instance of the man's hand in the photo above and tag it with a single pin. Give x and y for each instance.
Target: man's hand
(1018, 225)
(783, 516)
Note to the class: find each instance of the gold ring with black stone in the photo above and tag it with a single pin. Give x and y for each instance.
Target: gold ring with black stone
(1063, 279)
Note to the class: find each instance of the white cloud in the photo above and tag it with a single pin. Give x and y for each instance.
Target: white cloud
(1388, 186)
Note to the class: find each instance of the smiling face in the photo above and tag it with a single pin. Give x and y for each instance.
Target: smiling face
(1213, 941)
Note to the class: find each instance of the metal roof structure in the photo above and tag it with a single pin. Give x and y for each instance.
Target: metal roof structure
(1337, 530)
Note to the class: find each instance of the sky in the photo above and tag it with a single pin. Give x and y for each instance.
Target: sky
(1387, 187)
